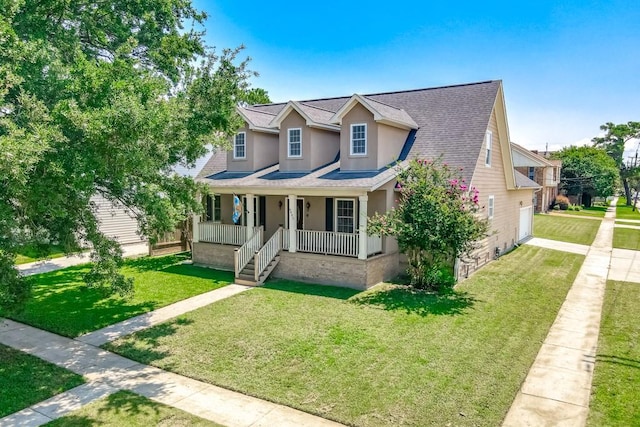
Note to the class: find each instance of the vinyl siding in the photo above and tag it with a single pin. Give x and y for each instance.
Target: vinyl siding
(115, 221)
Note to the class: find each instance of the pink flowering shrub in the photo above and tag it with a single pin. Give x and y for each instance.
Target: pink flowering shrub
(435, 221)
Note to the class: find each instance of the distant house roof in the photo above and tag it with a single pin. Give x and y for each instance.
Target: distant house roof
(449, 122)
(524, 157)
(524, 182)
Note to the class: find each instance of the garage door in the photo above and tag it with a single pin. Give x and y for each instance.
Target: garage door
(526, 216)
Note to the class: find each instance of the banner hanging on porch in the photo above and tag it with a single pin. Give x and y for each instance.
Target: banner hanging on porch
(237, 209)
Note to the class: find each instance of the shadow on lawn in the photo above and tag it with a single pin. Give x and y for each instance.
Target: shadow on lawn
(624, 361)
(143, 346)
(309, 289)
(415, 301)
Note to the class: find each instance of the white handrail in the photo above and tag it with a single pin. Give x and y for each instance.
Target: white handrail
(328, 243)
(374, 244)
(243, 255)
(267, 253)
(228, 234)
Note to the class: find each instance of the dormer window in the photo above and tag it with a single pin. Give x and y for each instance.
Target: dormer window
(240, 146)
(358, 139)
(295, 142)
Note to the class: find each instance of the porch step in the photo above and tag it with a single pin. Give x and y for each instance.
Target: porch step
(247, 275)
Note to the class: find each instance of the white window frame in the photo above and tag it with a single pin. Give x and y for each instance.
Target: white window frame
(236, 145)
(353, 217)
(489, 143)
(491, 207)
(298, 142)
(351, 140)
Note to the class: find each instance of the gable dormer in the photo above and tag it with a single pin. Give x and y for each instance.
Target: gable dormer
(308, 140)
(373, 133)
(255, 145)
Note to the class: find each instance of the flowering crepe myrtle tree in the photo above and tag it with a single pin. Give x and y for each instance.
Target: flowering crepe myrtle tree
(435, 222)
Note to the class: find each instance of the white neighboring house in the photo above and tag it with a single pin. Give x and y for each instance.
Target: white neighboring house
(117, 222)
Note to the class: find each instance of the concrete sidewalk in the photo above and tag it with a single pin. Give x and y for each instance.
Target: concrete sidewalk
(147, 320)
(558, 246)
(53, 264)
(108, 372)
(557, 390)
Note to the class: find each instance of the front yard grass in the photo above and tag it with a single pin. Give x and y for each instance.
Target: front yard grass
(626, 212)
(128, 409)
(574, 230)
(626, 238)
(385, 357)
(594, 211)
(31, 253)
(26, 380)
(62, 303)
(615, 395)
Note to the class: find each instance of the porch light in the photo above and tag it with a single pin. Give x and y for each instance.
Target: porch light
(280, 204)
(308, 205)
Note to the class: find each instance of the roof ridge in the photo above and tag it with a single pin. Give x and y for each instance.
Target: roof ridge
(381, 93)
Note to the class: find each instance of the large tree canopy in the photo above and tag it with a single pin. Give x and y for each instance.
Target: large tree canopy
(617, 135)
(587, 170)
(104, 97)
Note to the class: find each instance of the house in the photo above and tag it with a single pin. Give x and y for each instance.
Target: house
(309, 174)
(544, 171)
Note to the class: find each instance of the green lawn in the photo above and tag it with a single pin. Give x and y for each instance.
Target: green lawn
(26, 380)
(31, 253)
(594, 211)
(128, 409)
(626, 238)
(386, 357)
(565, 229)
(63, 304)
(625, 212)
(615, 396)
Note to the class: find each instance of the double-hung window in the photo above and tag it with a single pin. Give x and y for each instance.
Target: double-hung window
(532, 173)
(491, 207)
(240, 146)
(295, 142)
(358, 139)
(345, 215)
(489, 141)
(213, 211)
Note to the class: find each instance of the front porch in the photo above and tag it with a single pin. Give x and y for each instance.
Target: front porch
(329, 229)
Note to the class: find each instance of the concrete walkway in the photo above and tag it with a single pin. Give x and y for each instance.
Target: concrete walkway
(107, 372)
(558, 246)
(557, 389)
(53, 264)
(634, 227)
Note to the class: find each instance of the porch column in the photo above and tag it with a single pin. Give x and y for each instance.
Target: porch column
(293, 222)
(250, 215)
(196, 228)
(362, 229)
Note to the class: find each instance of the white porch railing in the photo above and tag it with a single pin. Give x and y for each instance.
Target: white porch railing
(267, 253)
(328, 243)
(244, 254)
(227, 234)
(374, 244)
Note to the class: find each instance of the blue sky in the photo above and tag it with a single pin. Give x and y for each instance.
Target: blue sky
(567, 66)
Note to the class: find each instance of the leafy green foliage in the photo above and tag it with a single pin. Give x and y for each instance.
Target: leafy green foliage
(617, 135)
(588, 170)
(435, 221)
(105, 98)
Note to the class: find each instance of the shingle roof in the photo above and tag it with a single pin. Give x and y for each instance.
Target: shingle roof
(318, 115)
(257, 117)
(524, 182)
(217, 163)
(534, 159)
(452, 122)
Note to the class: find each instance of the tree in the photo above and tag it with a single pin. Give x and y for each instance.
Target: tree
(435, 222)
(587, 170)
(104, 97)
(617, 135)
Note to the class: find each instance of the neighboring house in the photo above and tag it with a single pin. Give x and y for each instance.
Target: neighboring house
(310, 173)
(116, 221)
(541, 170)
